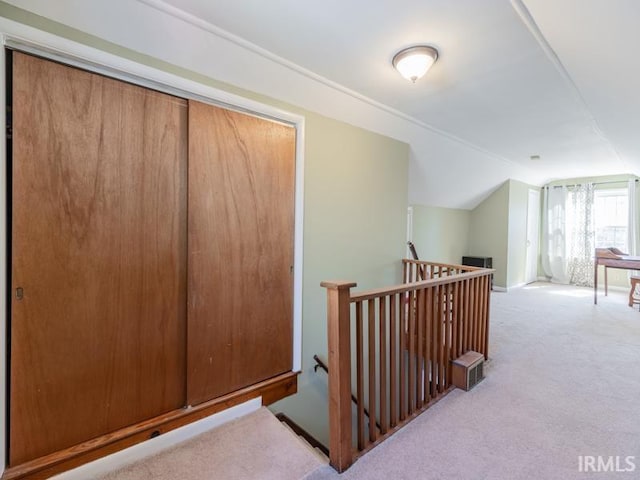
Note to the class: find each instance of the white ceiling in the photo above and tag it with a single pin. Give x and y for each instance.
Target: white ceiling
(497, 84)
(555, 78)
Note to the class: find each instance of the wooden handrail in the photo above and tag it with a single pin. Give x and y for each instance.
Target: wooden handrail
(405, 339)
(443, 265)
(412, 287)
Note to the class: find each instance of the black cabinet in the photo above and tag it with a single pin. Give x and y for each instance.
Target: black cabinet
(484, 262)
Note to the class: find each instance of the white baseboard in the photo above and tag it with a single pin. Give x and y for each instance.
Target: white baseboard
(151, 447)
(508, 289)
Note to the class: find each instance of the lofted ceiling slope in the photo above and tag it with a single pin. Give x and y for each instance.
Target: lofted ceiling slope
(514, 78)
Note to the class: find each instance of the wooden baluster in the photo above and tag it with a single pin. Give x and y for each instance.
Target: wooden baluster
(455, 353)
(483, 306)
(447, 338)
(476, 337)
(382, 320)
(434, 341)
(393, 365)
(426, 308)
(405, 272)
(428, 335)
(470, 317)
(339, 347)
(419, 341)
(403, 355)
(360, 376)
(487, 291)
(487, 319)
(469, 329)
(371, 310)
(467, 316)
(412, 352)
(463, 316)
(459, 316)
(485, 299)
(441, 330)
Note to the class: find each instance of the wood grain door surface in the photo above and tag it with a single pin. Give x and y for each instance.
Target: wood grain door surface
(240, 231)
(99, 251)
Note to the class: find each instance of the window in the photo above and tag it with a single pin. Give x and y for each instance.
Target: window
(611, 207)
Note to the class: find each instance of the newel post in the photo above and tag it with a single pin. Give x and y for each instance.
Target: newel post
(339, 343)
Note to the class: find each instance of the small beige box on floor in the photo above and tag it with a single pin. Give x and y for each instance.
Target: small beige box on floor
(467, 370)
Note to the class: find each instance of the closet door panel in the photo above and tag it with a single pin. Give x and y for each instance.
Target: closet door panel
(98, 256)
(241, 230)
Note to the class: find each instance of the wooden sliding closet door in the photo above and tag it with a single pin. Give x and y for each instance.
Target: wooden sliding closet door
(241, 230)
(98, 256)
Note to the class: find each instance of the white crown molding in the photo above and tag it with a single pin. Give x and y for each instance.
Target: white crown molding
(197, 22)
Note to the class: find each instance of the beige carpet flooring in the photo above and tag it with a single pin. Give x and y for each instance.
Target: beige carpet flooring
(563, 381)
(256, 446)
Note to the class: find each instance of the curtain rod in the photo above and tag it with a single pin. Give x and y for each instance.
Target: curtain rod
(595, 183)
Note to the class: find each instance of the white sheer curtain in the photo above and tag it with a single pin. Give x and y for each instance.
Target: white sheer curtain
(634, 224)
(580, 235)
(554, 245)
(568, 234)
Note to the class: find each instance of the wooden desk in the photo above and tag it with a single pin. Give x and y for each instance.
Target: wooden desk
(611, 258)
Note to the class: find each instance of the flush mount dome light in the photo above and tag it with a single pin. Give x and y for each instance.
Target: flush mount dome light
(413, 62)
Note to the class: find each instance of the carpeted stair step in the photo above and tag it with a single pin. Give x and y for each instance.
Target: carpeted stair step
(255, 446)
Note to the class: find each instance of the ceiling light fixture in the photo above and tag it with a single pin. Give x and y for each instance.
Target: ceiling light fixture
(413, 62)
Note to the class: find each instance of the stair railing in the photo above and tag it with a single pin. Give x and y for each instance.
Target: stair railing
(405, 338)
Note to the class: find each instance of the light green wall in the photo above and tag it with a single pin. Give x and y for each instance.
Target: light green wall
(355, 225)
(441, 234)
(356, 189)
(498, 229)
(488, 232)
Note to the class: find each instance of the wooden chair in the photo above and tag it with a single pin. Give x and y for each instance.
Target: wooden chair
(633, 296)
